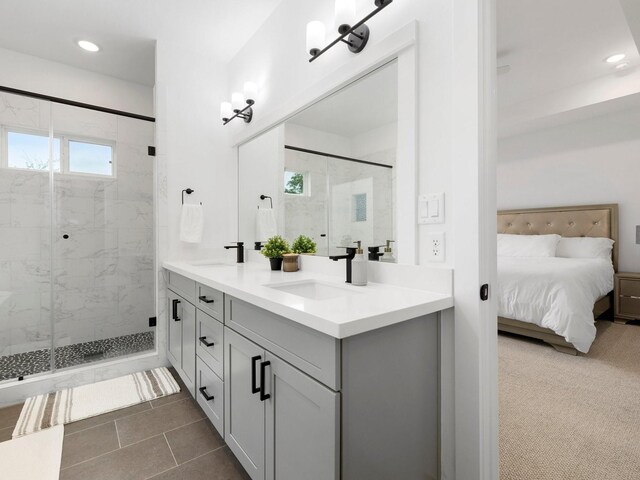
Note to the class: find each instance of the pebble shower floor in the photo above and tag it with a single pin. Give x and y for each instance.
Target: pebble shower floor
(38, 361)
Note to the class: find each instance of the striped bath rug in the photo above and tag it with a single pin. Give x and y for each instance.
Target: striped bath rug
(78, 403)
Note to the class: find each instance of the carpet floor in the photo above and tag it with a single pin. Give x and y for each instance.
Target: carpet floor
(574, 418)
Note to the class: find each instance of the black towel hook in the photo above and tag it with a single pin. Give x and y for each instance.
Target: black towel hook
(262, 197)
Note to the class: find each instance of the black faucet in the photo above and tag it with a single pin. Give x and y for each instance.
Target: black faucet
(240, 252)
(257, 246)
(351, 252)
(374, 253)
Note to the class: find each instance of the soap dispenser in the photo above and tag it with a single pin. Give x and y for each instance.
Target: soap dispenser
(387, 256)
(359, 267)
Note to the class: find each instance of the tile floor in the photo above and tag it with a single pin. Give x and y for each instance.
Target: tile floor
(167, 438)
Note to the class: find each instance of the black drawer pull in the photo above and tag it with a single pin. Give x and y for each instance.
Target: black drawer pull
(203, 298)
(175, 303)
(203, 340)
(254, 389)
(263, 367)
(203, 392)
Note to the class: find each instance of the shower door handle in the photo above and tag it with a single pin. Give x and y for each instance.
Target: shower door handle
(175, 303)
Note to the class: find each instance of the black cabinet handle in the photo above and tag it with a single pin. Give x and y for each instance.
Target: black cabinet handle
(203, 392)
(175, 303)
(203, 298)
(203, 340)
(263, 367)
(254, 389)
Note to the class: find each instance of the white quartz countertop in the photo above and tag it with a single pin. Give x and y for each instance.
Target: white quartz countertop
(365, 308)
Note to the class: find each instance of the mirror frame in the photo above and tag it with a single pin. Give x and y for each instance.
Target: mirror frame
(400, 46)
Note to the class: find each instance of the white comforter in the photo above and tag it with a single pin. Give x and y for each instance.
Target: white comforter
(556, 293)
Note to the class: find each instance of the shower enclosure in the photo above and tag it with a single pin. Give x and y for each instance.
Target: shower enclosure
(77, 247)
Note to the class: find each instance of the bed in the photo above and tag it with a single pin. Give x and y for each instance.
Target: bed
(577, 221)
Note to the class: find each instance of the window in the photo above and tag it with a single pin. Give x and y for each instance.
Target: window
(29, 150)
(294, 183)
(92, 158)
(360, 207)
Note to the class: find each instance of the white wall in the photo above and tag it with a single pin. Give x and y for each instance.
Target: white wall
(26, 72)
(590, 162)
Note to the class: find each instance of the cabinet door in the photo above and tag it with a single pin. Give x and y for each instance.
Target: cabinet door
(302, 426)
(174, 330)
(189, 345)
(244, 411)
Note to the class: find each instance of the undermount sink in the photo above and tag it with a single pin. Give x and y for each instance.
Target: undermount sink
(313, 289)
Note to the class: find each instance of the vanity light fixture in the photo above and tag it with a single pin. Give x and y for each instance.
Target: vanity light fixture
(355, 35)
(88, 46)
(240, 105)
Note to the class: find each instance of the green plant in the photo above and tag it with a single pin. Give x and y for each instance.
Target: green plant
(275, 247)
(303, 244)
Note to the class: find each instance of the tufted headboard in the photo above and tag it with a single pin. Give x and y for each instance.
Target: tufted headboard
(580, 221)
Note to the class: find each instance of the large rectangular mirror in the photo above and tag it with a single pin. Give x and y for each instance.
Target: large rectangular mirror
(327, 172)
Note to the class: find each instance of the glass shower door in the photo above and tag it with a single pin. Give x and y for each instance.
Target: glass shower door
(26, 170)
(103, 249)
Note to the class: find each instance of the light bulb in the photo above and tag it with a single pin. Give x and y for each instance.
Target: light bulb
(345, 14)
(237, 100)
(316, 32)
(250, 92)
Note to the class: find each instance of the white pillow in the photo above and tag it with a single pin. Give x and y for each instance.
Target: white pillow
(585, 247)
(527, 245)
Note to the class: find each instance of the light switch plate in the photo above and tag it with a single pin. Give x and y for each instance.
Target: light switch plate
(431, 208)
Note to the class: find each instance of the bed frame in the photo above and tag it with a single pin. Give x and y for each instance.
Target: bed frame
(579, 221)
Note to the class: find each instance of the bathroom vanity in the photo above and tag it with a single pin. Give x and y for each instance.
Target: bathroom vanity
(306, 377)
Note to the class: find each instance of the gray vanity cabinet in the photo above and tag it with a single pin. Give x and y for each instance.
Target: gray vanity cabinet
(244, 410)
(280, 423)
(181, 341)
(302, 425)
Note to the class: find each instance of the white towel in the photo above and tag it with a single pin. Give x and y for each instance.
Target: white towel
(266, 226)
(191, 223)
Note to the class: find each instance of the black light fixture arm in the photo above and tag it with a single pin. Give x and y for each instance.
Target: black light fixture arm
(246, 113)
(358, 34)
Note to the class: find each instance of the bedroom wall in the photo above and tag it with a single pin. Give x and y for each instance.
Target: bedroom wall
(589, 162)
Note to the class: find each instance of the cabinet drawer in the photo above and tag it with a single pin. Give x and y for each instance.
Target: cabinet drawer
(209, 385)
(629, 306)
(210, 300)
(182, 285)
(629, 288)
(209, 330)
(313, 352)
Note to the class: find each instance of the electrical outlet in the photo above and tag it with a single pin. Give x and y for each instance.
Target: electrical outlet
(435, 250)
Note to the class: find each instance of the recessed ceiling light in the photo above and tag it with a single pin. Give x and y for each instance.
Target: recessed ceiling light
(615, 58)
(88, 46)
(622, 66)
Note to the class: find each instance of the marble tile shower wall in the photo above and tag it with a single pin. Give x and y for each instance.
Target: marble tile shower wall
(103, 273)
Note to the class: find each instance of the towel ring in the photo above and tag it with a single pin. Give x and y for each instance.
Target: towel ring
(188, 191)
(262, 197)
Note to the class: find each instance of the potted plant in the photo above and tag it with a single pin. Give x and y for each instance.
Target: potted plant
(274, 249)
(303, 244)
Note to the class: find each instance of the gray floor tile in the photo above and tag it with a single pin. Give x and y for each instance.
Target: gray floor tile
(89, 443)
(193, 440)
(157, 420)
(105, 418)
(136, 462)
(9, 415)
(5, 433)
(218, 465)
